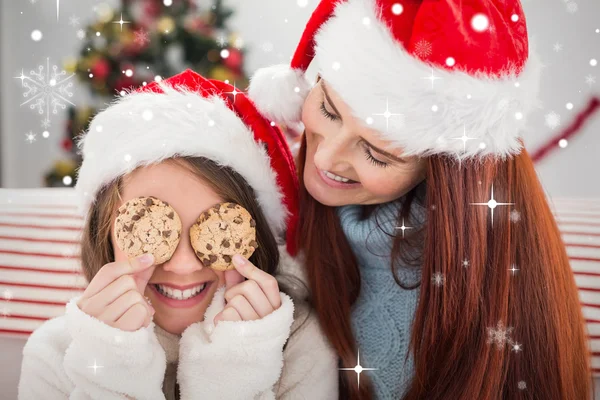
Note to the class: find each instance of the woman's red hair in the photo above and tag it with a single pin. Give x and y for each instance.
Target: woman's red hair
(450, 341)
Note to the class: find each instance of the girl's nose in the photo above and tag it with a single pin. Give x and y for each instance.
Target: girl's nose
(184, 260)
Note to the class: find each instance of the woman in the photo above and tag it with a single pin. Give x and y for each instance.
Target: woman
(428, 241)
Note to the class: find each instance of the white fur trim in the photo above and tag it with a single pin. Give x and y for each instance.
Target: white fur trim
(236, 360)
(279, 92)
(143, 128)
(367, 67)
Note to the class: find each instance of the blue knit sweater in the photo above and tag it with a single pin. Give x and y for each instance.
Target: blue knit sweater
(383, 315)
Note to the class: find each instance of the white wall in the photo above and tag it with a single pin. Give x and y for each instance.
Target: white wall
(277, 24)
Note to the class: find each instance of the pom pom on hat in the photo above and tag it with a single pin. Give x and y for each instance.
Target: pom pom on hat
(279, 92)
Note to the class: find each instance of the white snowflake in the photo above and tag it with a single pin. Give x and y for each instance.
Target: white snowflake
(590, 79)
(438, 279)
(74, 21)
(267, 47)
(552, 120)
(515, 216)
(423, 49)
(557, 47)
(8, 295)
(572, 7)
(5, 312)
(465, 263)
(499, 336)
(141, 37)
(47, 90)
(522, 385)
(30, 137)
(81, 34)
(222, 41)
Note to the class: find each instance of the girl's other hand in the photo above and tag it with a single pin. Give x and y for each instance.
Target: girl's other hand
(250, 299)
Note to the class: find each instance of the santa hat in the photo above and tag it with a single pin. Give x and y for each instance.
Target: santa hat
(190, 116)
(433, 77)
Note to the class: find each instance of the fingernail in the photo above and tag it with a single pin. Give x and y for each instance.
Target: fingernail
(239, 260)
(146, 259)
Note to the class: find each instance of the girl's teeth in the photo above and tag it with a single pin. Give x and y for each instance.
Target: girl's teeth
(179, 294)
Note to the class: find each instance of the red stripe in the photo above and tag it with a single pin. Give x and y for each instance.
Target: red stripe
(69, 228)
(591, 305)
(25, 253)
(41, 286)
(17, 316)
(57, 206)
(16, 331)
(67, 216)
(589, 289)
(592, 321)
(578, 223)
(563, 232)
(571, 130)
(588, 246)
(580, 215)
(585, 259)
(43, 302)
(33, 269)
(40, 240)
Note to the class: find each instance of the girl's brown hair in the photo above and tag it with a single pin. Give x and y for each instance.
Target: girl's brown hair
(96, 243)
(456, 355)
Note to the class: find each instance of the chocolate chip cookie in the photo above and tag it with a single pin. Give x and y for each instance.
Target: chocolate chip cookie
(221, 232)
(148, 225)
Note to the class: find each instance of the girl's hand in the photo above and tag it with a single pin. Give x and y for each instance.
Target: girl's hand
(250, 299)
(116, 294)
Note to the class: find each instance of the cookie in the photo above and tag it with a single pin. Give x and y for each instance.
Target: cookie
(221, 232)
(148, 225)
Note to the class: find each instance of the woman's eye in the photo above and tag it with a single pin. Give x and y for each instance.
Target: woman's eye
(373, 160)
(327, 114)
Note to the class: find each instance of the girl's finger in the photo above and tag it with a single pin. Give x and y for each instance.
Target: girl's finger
(96, 304)
(232, 278)
(117, 309)
(255, 296)
(267, 282)
(228, 314)
(133, 319)
(112, 271)
(244, 308)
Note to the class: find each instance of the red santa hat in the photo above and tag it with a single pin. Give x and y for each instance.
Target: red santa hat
(432, 76)
(190, 116)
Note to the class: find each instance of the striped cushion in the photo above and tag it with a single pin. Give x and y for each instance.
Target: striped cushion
(39, 257)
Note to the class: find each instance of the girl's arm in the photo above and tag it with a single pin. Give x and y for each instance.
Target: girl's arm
(78, 357)
(236, 360)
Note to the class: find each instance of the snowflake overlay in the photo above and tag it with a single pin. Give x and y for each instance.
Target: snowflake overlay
(47, 90)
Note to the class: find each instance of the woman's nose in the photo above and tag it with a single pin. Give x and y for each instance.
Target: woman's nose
(184, 260)
(330, 151)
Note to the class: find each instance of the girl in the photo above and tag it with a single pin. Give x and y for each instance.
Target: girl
(421, 213)
(237, 336)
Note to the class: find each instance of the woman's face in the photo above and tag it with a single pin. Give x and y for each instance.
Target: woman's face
(189, 196)
(348, 163)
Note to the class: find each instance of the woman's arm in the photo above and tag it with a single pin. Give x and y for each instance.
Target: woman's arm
(79, 357)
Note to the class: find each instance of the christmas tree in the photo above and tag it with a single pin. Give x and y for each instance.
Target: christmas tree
(141, 42)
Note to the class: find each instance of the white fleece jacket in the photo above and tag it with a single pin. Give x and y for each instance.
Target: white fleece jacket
(77, 357)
